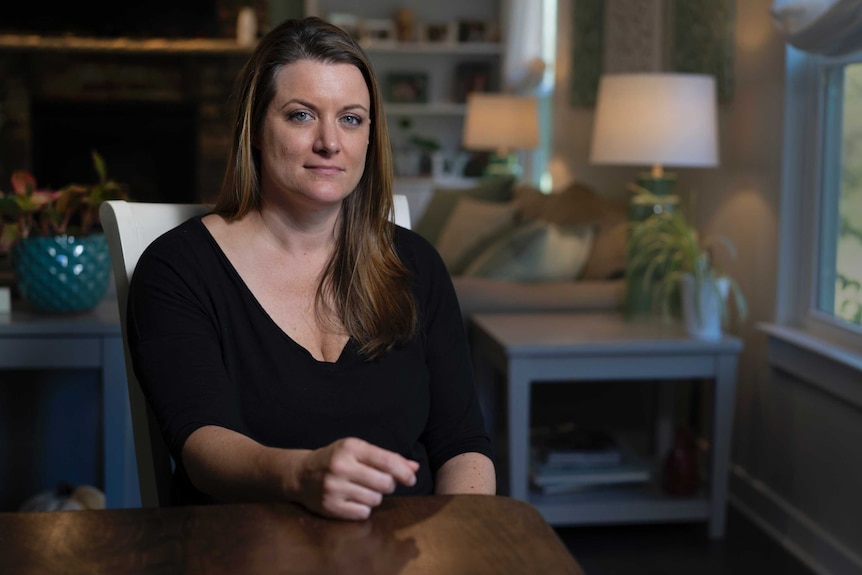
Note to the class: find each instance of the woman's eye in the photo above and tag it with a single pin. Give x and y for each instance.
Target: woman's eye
(352, 120)
(300, 116)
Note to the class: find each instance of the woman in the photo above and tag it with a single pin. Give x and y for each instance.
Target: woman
(294, 344)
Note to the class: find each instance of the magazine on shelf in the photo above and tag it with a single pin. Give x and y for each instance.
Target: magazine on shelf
(584, 459)
(550, 476)
(568, 444)
(631, 470)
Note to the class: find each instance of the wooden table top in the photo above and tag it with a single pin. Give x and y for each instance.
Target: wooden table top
(472, 534)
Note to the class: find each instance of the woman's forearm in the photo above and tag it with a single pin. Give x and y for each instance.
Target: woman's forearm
(233, 467)
(466, 473)
(345, 479)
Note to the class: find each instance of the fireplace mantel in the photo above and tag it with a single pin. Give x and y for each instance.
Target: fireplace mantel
(154, 46)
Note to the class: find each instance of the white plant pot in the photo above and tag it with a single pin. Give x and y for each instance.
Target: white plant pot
(702, 312)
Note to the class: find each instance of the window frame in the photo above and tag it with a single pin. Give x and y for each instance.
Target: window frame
(810, 182)
(803, 341)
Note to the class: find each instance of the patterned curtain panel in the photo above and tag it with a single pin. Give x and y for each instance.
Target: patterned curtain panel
(703, 41)
(620, 36)
(827, 27)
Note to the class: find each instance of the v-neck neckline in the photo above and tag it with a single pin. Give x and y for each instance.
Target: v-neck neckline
(348, 345)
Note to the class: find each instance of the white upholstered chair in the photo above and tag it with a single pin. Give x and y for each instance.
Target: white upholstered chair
(129, 228)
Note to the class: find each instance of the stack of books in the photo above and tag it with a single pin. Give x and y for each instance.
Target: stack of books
(568, 458)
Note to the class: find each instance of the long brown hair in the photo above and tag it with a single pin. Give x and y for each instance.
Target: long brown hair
(367, 283)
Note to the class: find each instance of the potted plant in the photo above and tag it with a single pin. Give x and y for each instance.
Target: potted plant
(59, 254)
(417, 155)
(678, 270)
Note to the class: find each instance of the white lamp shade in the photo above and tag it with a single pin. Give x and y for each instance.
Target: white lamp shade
(501, 122)
(656, 119)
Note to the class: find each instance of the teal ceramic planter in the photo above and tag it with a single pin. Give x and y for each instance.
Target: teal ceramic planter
(62, 274)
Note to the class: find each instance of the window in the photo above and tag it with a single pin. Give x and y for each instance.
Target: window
(839, 289)
(820, 283)
(529, 69)
(818, 333)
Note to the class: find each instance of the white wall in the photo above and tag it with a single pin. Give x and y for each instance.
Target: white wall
(796, 465)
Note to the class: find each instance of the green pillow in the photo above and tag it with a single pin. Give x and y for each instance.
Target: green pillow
(442, 203)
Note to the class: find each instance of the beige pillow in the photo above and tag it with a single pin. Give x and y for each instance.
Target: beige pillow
(608, 258)
(471, 227)
(444, 200)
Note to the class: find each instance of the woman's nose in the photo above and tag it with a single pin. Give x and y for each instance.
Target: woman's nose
(327, 138)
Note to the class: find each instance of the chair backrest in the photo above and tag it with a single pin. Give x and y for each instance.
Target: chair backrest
(129, 228)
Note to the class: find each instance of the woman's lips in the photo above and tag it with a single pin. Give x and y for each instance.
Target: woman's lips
(325, 170)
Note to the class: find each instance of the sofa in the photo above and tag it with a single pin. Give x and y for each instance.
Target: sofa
(511, 248)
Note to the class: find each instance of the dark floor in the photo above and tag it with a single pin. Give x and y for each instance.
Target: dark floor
(680, 549)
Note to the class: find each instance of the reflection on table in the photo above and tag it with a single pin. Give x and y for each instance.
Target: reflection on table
(440, 534)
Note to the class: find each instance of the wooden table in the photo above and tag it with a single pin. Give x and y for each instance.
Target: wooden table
(90, 340)
(470, 534)
(535, 348)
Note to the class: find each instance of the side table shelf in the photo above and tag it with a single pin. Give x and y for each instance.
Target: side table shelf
(532, 349)
(82, 341)
(621, 504)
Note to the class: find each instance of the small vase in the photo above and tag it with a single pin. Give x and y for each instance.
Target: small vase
(62, 273)
(680, 468)
(246, 26)
(702, 303)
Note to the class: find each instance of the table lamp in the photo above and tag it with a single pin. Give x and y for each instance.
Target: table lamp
(503, 124)
(656, 120)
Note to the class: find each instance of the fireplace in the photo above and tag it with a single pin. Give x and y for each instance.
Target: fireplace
(150, 146)
(160, 117)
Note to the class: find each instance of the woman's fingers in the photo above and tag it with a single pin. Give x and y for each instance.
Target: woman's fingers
(387, 463)
(352, 476)
(348, 500)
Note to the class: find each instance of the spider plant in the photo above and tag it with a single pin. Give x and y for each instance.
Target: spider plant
(664, 248)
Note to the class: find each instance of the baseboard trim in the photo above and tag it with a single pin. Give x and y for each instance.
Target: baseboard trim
(790, 528)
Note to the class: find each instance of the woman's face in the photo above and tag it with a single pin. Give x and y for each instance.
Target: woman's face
(315, 135)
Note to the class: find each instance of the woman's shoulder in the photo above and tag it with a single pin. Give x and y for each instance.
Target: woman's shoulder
(413, 249)
(421, 258)
(189, 237)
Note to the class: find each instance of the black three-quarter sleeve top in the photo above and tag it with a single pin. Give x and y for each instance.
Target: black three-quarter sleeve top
(206, 353)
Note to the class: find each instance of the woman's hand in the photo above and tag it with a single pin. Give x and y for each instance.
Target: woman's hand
(349, 477)
(345, 479)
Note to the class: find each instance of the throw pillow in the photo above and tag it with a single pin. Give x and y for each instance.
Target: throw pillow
(578, 204)
(536, 252)
(471, 227)
(575, 204)
(443, 201)
(608, 256)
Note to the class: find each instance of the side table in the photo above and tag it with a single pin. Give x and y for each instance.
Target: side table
(89, 340)
(528, 349)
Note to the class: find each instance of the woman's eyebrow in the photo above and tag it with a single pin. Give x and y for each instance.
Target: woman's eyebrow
(307, 104)
(355, 107)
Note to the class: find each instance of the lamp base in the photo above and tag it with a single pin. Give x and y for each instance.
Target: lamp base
(654, 195)
(502, 165)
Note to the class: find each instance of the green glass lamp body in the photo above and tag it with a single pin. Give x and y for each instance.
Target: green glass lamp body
(656, 196)
(502, 164)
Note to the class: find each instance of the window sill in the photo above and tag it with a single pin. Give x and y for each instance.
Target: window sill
(825, 365)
